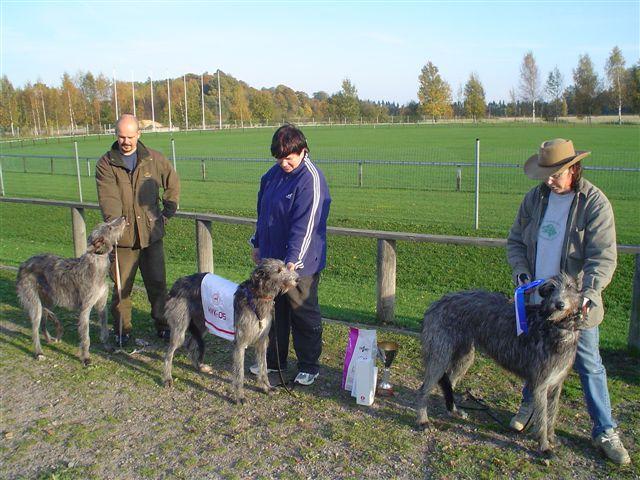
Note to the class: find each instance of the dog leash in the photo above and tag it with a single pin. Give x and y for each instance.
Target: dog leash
(283, 383)
(487, 409)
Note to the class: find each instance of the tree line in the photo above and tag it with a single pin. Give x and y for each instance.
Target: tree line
(88, 102)
(617, 91)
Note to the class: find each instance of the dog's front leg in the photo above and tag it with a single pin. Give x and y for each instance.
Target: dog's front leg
(261, 354)
(238, 371)
(554, 402)
(83, 331)
(101, 306)
(539, 420)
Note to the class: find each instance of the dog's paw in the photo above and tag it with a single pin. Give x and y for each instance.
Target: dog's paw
(86, 362)
(40, 357)
(168, 382)
(423, 426)
(204, 368)
(239, 400)
(548, 454)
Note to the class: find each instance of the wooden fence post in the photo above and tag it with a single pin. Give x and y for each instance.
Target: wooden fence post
(386, 284)
(634, 323)
(79, 231)
(204, 245)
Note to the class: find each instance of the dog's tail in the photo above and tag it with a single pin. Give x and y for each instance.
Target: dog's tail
(27, 291)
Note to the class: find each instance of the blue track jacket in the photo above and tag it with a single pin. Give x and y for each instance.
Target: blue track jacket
(292, 217)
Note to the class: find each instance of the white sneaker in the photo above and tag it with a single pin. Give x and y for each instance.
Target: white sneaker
(304, 378)
(609, 443)
(254, 369)
(521, 419)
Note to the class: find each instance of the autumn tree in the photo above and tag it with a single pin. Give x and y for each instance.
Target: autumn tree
(434, 93)
(474, 100)
(586, 85)
(346, 102)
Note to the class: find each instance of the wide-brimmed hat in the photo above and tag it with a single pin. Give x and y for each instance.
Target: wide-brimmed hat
(555, 156)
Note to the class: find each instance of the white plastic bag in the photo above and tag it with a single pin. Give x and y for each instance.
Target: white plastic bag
(362, 345)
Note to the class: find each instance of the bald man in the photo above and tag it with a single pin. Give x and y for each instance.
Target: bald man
(129, 178)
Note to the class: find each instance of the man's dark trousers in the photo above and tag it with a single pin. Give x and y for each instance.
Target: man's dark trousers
(151, 263)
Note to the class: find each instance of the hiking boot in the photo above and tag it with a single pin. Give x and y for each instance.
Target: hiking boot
(304, 378)
(521, 419)
(610, 444)
(254, 369)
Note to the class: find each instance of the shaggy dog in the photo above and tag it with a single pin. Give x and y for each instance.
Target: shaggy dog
(253, 311)
(78, 284)
(458, 323)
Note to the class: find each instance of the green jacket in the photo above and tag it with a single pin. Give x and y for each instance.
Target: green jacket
(589, 250)
(136, 195)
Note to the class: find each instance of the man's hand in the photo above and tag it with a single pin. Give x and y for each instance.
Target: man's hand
(255, 255)
(586, 306)
(291, 266)
(164, 220)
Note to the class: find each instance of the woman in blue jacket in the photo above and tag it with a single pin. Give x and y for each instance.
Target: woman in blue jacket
(293, 206)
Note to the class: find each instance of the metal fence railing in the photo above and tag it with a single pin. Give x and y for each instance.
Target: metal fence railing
(446, 176)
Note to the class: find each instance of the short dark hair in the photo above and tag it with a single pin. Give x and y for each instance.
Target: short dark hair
(287, 140)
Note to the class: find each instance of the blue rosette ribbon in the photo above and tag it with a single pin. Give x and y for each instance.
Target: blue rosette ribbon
(521, 314)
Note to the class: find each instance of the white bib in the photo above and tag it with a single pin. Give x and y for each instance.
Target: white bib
(217, 303)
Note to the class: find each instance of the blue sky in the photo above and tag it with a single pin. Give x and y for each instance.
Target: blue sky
(312, 46)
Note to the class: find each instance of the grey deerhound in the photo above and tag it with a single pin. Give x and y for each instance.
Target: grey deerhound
(253, 310)
(459, 322)
(78, 284)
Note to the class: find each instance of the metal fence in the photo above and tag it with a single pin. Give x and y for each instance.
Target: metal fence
(447, 176)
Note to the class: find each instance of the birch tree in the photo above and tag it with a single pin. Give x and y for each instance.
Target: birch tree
(530, 82)
(616, 77)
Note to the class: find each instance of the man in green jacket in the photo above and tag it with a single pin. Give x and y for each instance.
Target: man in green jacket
(129, 178)
(566, 224)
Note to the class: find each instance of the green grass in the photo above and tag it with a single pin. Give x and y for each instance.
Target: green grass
(424, 271)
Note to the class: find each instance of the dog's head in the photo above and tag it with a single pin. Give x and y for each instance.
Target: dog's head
(271, 276)
(561, 300)
(105, 236)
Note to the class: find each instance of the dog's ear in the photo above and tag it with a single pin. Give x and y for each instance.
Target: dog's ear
(99, 246)
(546, 288)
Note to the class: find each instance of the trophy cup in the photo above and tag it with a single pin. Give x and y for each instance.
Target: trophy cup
(387, 351)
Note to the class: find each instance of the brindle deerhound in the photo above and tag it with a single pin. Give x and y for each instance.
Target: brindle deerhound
(45, 281)
(458, 323)
(253, 309)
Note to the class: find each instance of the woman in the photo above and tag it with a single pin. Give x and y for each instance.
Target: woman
(293, 206)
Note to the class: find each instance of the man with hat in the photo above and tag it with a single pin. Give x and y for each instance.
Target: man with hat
(566, 224)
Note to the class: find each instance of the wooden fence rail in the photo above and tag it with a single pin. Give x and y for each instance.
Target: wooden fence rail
(386, 259)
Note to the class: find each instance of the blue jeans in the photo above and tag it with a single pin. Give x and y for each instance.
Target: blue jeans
(593, 377)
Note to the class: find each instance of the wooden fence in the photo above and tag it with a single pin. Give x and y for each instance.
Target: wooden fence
(386, 258)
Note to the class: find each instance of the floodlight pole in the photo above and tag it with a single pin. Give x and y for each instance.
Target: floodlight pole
(169, 99)
(477, 206)
(202, 90)
(153, 111)
(219, 104)
(186, 112)
(115, 94)
(133, 94)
